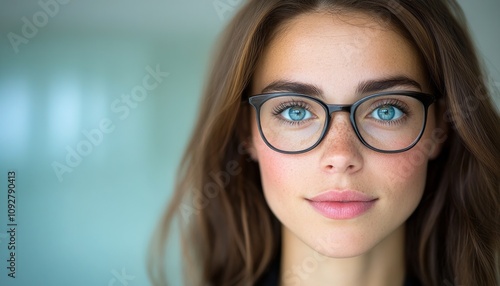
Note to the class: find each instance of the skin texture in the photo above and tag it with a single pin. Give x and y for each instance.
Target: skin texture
(337, 52)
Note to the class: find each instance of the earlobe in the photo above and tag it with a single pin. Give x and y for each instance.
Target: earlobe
(439, 136)
(252, 152)
(249, 149)
(440, 132)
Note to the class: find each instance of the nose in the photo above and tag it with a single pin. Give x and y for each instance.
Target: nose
(340, 149)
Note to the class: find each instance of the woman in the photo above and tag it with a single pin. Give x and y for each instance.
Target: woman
(341, 143)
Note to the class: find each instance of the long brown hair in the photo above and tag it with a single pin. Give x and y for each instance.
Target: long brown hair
(229, 235)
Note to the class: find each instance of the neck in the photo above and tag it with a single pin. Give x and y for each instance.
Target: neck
(383, 265)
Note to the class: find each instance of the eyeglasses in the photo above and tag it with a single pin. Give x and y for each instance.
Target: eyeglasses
(387, 122)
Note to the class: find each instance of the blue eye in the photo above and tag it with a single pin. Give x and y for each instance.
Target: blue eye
(296, 113)
(386, 113)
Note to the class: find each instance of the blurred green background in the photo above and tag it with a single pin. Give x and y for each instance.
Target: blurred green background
(95, 139)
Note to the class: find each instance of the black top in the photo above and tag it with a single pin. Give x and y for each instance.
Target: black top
(271, 277)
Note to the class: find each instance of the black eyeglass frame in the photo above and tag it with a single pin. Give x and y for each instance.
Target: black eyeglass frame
(258, 100)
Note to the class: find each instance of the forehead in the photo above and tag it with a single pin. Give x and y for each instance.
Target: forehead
(336, 52)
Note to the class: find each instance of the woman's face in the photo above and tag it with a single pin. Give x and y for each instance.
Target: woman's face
(367, 195)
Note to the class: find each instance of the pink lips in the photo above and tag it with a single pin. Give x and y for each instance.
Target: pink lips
(342, 204)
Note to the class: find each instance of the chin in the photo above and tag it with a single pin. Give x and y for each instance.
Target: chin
(345, 246)
(348, 242)
(343, 251)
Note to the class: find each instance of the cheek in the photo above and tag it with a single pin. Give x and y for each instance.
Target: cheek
(401, 180)
(407, 168)
(281, 174)
(273, 166)
(404, 177)
(411, 166)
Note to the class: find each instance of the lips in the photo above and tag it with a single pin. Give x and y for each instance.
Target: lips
(342, 204)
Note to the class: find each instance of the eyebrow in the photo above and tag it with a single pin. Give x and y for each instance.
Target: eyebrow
(295, 87)
(368, 86)
(371, 86)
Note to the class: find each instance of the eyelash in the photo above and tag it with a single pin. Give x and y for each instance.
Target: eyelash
(284, 106)
(395, 103)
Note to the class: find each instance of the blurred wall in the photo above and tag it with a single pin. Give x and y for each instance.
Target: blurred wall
(95, 165)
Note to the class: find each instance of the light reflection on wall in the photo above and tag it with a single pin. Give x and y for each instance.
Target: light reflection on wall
(64, 111)
(15, 117)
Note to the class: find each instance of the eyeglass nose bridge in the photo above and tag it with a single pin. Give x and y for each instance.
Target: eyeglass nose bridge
(338, 107)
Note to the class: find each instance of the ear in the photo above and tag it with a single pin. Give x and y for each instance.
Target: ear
(250, 149)
(246, 134)
(440, 132)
